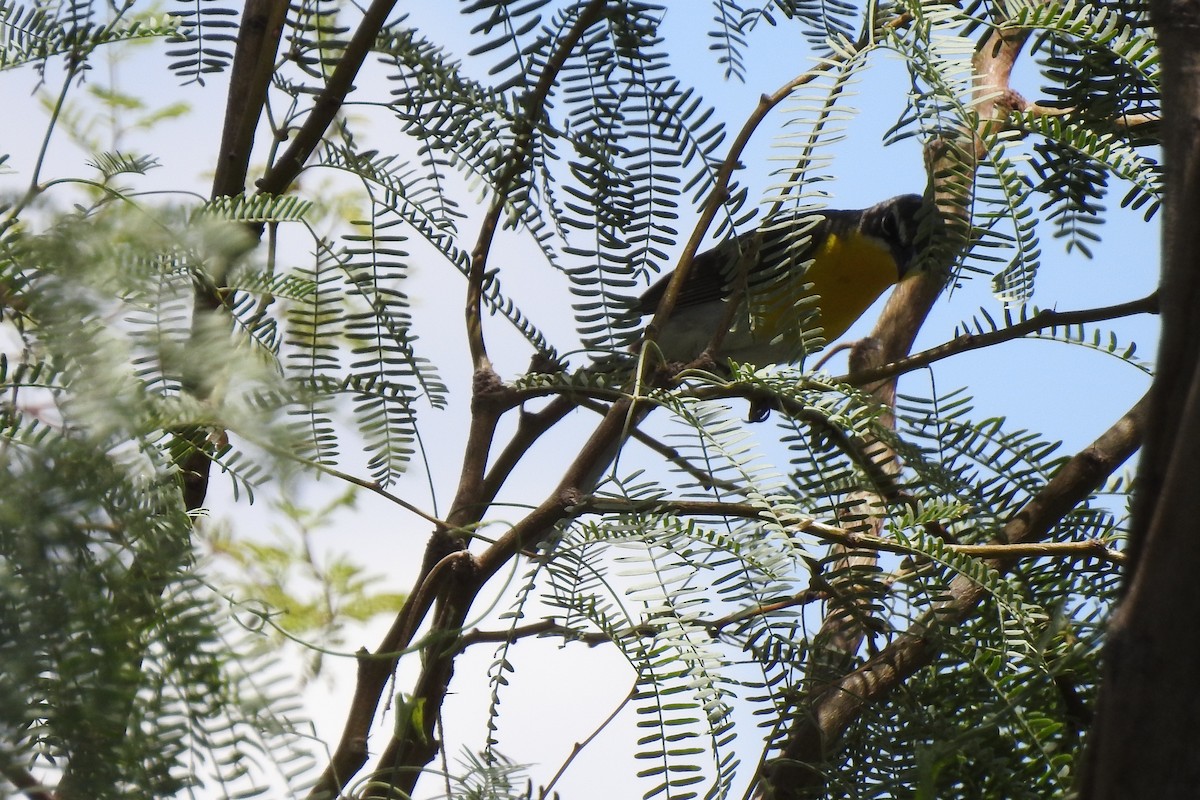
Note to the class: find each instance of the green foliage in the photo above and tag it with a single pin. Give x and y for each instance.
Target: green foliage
(117, 666)
(1088, 132)
(259, 209)
(33, 33)
(85, 541)
(263, 337)
(202, 39)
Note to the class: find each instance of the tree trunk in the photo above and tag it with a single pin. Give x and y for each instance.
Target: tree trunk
(1145, 741)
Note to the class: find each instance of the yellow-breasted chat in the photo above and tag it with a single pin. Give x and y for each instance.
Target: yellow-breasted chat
(796, 275)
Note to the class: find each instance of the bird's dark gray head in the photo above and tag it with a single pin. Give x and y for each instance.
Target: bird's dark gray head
(895, 222)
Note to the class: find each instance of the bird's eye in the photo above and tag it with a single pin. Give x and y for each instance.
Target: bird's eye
(890, 225)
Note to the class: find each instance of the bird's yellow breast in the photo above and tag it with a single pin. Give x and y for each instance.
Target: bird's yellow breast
(848, 273)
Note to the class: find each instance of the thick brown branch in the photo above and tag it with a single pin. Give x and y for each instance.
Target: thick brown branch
(993, 63)
(329, 102)
(30, 786)
(253, 65)
(538, 523)
(488, 404)
(374, 670)
(250, 77)
(452, 581)
(477, 489)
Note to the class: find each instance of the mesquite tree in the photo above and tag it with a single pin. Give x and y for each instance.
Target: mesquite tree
(853, 590)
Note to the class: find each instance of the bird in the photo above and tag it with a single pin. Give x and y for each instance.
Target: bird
(798, 274)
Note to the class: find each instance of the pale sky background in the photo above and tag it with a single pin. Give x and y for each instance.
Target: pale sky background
(559, 695)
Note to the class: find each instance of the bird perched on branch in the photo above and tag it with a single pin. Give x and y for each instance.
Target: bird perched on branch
(798, 276)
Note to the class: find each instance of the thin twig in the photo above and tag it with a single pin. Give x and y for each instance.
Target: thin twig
(551, 627)
(374, 486)
(1128, 122)
(12, 215)
(702, 477)
(579, 747)
(838, 535)
(519, 156)
(857, 448)
(1093, 548)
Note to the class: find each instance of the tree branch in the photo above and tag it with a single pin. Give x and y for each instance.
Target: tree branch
(530, 428)
(836, 706)
(649, 631)
(1129, 122)
(329, 102)
(974, 341)
(703, 478)
(490, 399)
(1143, 740)
(834, 534)
(950, 164)
(519, 156)
(374, 670)
(259, 31)
(29, 786)
(625, 414)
